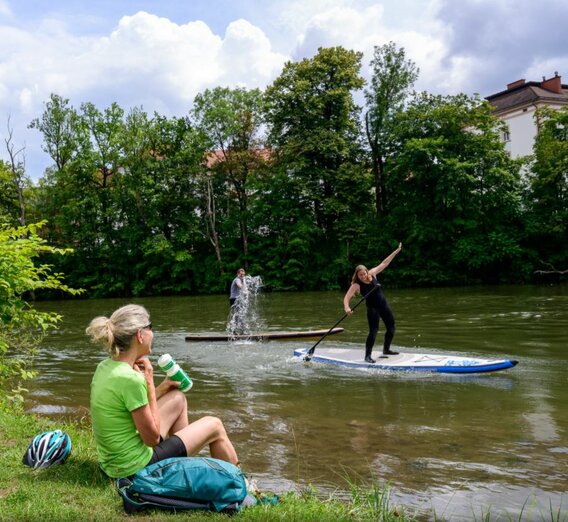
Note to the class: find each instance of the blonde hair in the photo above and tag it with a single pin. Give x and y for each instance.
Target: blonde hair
(355, 278)
(115, 333)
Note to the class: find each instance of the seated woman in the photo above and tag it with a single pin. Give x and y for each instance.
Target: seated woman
(135, 423)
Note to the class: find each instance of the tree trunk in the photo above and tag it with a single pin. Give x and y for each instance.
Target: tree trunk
(212, 234)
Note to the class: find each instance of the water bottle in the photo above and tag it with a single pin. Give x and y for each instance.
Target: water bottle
(173, 370)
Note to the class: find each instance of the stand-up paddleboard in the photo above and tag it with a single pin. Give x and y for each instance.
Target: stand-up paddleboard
(353, 357)
(262, 336)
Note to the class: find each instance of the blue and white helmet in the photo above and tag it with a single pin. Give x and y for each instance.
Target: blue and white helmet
(47, 449)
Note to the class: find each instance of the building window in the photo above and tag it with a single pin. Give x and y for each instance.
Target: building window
(506, 136)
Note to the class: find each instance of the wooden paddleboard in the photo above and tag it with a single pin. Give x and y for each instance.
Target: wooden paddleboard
(262, 336)
(354, 357)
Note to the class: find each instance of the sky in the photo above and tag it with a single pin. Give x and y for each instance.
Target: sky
(160, 54)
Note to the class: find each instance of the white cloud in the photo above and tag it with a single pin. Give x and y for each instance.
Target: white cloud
(145, 57)
(146, 60)
(247, 56)
(5, 10)
(155, 62)
(362, 29)
(353, 29)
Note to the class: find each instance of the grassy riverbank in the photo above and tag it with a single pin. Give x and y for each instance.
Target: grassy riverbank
(77, 490)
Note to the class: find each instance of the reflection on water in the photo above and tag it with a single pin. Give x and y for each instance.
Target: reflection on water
(455, 443)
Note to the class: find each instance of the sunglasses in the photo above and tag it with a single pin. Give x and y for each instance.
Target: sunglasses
(148, 326)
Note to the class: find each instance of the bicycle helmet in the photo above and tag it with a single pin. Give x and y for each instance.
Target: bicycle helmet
(47, 449)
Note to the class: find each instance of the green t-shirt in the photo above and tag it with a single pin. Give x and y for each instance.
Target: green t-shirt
(116, 390)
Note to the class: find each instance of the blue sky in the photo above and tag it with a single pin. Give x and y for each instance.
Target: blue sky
(160, 54)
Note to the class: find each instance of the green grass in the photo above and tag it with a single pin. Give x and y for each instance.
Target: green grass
(78, 490)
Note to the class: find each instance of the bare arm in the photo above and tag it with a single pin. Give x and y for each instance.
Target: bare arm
(385, 262)
(146, 417)
(146, 425)
(353, 289)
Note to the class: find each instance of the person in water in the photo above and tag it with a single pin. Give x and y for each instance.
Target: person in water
(134, 422)
(236, 286)
(365, 282)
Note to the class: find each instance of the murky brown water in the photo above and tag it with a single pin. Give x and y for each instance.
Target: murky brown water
(463, 445)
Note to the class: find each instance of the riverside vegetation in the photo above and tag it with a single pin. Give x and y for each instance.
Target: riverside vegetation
(298, 183)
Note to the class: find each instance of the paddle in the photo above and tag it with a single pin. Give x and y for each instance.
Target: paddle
(310, 352)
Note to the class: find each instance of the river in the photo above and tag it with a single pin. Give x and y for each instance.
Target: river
(460, 445)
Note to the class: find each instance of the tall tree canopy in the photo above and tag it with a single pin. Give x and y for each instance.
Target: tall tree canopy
(314, 123)
(231, 121)
(548, 223)
(458, 192)
(281, 181)
(393, 76)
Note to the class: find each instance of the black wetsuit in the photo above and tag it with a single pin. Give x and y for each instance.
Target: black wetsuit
(377, 307)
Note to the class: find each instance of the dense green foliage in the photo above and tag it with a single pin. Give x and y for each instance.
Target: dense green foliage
(21, 326)
(458, 194)
(548, 191)
(296, 183)
(313, 123)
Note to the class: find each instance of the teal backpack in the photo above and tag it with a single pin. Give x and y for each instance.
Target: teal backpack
(186, 483)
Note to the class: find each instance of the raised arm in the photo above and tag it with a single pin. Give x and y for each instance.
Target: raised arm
(385, 262)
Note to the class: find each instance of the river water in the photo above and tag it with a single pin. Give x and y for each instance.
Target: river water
(462, 446)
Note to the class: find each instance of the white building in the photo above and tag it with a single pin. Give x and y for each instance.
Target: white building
(516, 107)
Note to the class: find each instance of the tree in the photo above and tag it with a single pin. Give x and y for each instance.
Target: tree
(123, 193)
(17, 168)
(9, 206)
(21, 326)
(314, 125)
(231, 121)
(458, 193)
(392, 78)
(159, 226)
(548, 192)
(76, 195)
(59, 126)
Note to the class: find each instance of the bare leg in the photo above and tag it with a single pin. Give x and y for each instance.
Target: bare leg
(172, 408)
(208, 431)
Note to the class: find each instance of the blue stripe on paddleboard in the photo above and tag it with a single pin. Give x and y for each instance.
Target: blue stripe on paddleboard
(481, 368)
(494, 367)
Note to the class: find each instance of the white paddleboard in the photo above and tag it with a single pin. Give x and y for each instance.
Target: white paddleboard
(354, 357)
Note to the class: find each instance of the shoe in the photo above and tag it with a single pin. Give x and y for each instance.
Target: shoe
(369, 359)
(389, 352)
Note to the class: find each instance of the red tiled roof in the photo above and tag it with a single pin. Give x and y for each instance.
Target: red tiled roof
(523, 93)
(214, 157)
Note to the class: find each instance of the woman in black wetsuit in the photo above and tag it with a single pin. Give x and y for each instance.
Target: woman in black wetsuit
(365, 283)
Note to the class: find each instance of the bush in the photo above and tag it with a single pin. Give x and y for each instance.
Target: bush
(21, 326)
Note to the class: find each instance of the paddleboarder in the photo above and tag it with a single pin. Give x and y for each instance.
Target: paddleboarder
(237, 324)
(364, 282)
(236, 286)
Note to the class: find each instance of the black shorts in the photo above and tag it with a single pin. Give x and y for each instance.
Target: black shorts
(167, 448)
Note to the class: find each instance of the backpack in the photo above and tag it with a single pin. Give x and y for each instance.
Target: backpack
(186, 483)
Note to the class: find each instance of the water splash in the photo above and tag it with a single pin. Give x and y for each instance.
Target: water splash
(244, 318)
